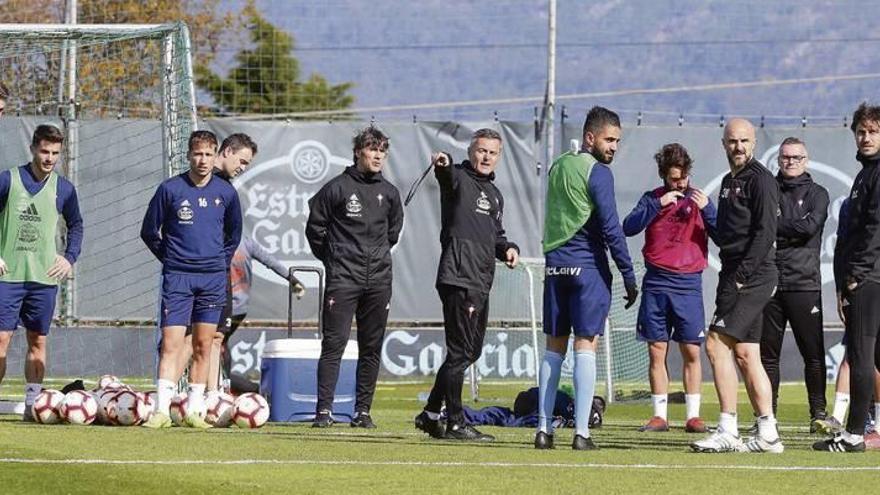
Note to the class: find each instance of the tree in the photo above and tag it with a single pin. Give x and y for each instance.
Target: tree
(266, 79)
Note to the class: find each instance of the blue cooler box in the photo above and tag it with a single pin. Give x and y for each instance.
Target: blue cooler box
(290, 380)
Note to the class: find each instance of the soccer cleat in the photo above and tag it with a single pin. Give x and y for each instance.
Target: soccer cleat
(695, 425)
(720, 441)
(323, 419)
(28, 415)
(814, 421)
(655, 424)
(158, 420)
(455, 431)
(433, 427)
(362, 420)
(872, 441)
(544, 441)
(583, 443)
(193, 420)
(828, 426)
(838, 444)
(758, 444)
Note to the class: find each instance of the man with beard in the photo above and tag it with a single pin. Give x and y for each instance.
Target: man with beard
(798, 299)
(472, 238)
(581, 223)
(748, 207)
(678, 220)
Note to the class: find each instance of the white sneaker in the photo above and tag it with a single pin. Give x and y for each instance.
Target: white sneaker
(720, 441)
(758, 444)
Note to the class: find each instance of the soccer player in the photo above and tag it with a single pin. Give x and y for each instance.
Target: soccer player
(354, 221)
(472, 238)
(678, 220)
(581, 222)
(192, 225)
(4, 98)
(798, 299)
(32, 197)
(860, 287)
(746, 233)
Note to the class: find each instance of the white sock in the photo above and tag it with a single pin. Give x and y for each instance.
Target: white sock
(660, 402)
(852, 438)
(164, 393)
(841, 404)
(31, 391)
(432, 415)
(727, 422)
(692, 405)
(877, 413)
(767, 428)
(196, 397)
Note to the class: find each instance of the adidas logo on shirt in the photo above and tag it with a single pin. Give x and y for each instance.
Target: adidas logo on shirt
(30, 214)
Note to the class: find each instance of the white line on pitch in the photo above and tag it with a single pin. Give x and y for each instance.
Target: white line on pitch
(303, 462)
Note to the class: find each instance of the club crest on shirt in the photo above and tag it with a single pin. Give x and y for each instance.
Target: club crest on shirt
(483, 204)
(353, 206)
(185, 212)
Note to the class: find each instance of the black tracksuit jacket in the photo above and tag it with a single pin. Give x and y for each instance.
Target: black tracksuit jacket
(354, 220)
(748, 206)
(860, 249)
(804, 208)
(471, 234)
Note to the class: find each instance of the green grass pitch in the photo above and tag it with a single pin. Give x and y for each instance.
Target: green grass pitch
(395, 458)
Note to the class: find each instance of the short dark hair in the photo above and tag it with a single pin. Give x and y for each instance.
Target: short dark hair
(4, 91)
(598, 118)
(791, 140)
(673, 155)
(47, 132)
(237, 142)
(202, 137)
(485, 133)
(367, 138)
(865, 113)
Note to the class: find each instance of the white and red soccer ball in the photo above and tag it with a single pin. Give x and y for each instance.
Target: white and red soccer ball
(250, 411)
(47, 407)
(107, 381)
(79, 408)
(107, 406)
(131, 408)
(219, 407)
(180, 408)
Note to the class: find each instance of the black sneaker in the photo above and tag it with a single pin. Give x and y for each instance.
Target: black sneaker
(814, 421)
(323, 419)
(581, 443)
(455, 431)
(433, 427)
(838, 444)
(362, 420)
(544, 441)
(28, 415)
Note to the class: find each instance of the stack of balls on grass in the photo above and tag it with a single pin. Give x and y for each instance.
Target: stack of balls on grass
(114, 403)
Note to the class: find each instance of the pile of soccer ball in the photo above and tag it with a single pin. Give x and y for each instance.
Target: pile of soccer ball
(115, 404)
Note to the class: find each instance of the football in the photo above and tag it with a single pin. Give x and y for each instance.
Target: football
(107, 407)
(250, 411)
(179, 408)
(150, 397)
(219, 407)
(131, 408)
(79, 408)
(106, 380)
(46, 407)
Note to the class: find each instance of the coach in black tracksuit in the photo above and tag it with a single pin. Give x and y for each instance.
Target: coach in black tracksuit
(472, 238)
(798, 300)
(354, 221)
(860, 286)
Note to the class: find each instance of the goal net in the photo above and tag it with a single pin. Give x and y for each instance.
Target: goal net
(123, 96)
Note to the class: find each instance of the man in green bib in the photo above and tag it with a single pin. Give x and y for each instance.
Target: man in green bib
(32, 198)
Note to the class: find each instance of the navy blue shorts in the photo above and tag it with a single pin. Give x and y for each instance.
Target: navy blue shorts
(28, 303)
(665, 316)
(576, 299)
(189, 298)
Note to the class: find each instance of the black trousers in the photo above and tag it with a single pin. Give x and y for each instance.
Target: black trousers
(862, 352)
(369, 306)
(803, 310)
(465, 315)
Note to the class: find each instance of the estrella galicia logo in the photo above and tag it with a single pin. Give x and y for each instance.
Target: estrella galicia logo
(353, 206)
(483, 204)
(185, 212)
